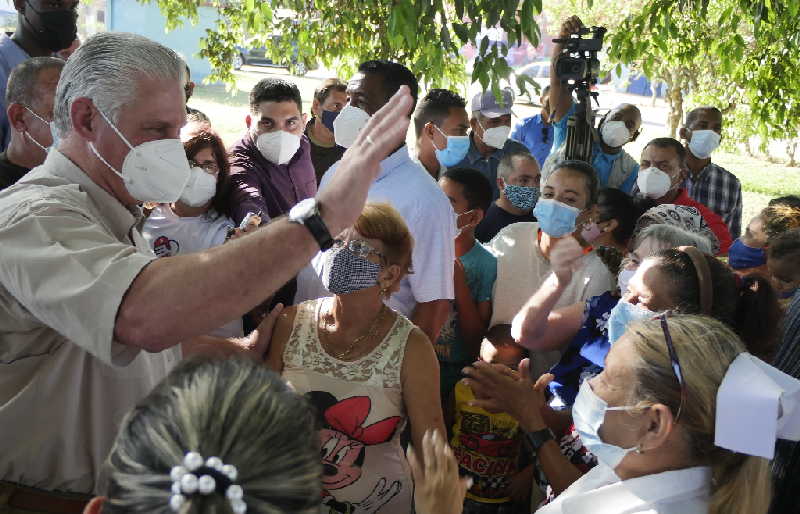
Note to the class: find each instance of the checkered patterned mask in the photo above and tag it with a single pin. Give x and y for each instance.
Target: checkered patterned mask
(345, 272)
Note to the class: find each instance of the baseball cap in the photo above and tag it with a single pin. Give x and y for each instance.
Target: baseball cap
(487, 104)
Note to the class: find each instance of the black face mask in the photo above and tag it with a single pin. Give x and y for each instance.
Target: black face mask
(57, 29)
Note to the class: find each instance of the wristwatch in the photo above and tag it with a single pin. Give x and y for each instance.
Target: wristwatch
(539, 437)
(307, 213)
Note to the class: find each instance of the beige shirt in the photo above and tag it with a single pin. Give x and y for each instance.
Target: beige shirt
(68, 253)
(521, 270)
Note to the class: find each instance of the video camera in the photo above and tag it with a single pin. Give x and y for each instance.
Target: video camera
(578, 65)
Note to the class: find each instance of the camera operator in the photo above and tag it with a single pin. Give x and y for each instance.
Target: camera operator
(614, 166)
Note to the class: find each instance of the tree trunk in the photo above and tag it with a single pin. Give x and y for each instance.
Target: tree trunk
(674, 100)
(791, 149)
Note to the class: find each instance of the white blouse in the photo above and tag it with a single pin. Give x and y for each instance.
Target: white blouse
(685, 491)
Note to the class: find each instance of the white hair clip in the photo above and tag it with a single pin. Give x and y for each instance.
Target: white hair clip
(205, 477)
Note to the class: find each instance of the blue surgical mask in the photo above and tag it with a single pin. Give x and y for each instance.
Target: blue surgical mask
(522, 197)
(741, 256)
(622, 315)
(328, 117)
(556, 219)
(588, 414)
(455, 151)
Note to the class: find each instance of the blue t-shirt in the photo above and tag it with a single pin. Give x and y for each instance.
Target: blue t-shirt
(601, 161)
(535, 134)
(585, 355)
(480, 267)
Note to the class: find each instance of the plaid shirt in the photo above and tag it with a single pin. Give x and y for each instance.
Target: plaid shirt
(719, 190)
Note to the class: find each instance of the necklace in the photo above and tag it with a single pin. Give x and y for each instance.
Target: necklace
(371, 332)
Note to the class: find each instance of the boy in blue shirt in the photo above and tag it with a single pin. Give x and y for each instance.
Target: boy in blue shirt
(460, 339)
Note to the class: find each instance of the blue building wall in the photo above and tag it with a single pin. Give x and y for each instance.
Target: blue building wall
(147, 20)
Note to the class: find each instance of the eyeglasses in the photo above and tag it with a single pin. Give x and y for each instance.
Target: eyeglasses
(358, 247)
(208, 166)
(676, 364)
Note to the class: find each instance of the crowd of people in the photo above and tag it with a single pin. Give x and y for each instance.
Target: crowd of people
(320, 318)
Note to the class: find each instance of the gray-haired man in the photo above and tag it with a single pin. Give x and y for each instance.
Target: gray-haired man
(81, 295)
(29, 97)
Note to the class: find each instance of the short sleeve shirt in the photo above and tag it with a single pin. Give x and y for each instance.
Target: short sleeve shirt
(406, 186)
(480, 268)
(70, 251)
(586, 353)
(536, 135)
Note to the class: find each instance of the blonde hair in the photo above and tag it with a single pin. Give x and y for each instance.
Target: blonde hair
(234, 409)
(780, 218)
(381, 221)
(741, 484)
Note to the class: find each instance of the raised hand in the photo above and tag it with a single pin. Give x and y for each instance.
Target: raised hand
(571, 25)
(565, 258)
(497, 388)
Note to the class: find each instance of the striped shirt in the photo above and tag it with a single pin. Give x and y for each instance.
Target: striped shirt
(719, 190)
(786, 464)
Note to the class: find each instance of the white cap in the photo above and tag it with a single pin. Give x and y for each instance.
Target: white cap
(756, 404)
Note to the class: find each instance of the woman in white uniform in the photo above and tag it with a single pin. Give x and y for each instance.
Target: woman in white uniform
(665, 419)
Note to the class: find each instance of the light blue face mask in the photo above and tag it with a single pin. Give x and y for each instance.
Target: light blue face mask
(622, 315)
(455, 151)
(522, 197)
(588, 414)
(556, 219)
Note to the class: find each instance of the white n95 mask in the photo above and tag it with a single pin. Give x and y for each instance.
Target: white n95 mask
(615, 133)
(348, 124)
(155, 171)
(278, 147)
(703, 142)
(200, 189)
(495, 137)
(653, 183)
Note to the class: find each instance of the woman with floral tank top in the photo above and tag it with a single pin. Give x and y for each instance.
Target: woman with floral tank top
(366, 368)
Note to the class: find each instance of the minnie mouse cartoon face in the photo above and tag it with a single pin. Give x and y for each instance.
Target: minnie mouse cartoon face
(342, 459)
(343, 437)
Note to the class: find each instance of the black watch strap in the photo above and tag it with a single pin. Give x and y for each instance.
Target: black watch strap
(317, 227)
(539, 437)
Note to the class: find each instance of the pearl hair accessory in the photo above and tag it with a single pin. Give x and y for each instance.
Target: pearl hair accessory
(205, 477)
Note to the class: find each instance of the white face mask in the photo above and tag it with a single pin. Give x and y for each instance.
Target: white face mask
(348, 124)
(703, 142)
(588, 414)
(615, 133)
(155, 171)
(200, 189)
(495, 137)
(653, 183)
(278, 147)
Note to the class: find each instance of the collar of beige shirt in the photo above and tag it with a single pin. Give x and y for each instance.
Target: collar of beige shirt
(120, 219)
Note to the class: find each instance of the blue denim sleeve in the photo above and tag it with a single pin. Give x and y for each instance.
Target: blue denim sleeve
(560, 128)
